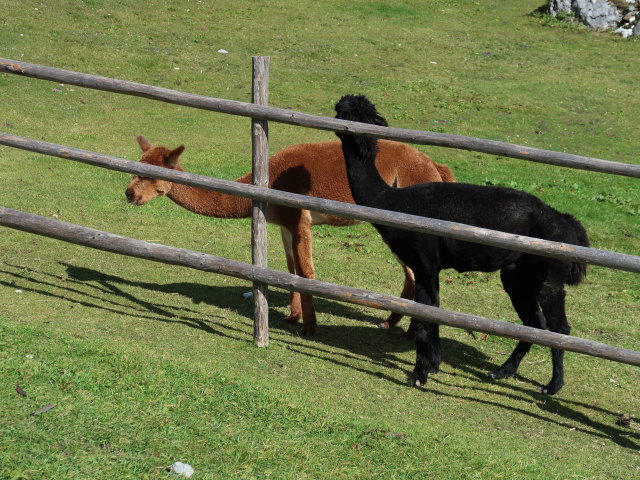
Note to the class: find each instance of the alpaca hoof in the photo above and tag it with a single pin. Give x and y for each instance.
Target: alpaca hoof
(390, 322)
(550, 389)
(497, 375)
(306, 334)
(292, 319)
(417, 379)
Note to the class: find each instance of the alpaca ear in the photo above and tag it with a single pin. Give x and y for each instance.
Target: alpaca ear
(144, 144)
(172, 158)
(380, 120)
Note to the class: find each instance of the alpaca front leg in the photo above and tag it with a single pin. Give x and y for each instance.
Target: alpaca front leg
(428, 351)
(303, 260)
(308, 315)
(295, 308)
(427, 334)
(294, 297)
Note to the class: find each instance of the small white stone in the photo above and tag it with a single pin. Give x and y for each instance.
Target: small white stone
(183, 469)
(247, 295)
(222, 50)
(624, 32)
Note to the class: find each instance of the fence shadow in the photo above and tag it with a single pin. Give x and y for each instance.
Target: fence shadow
(219, 296)
(337, 344)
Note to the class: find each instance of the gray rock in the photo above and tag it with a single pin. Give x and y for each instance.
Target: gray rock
(557, 6)
(595, 14)
(636, 30)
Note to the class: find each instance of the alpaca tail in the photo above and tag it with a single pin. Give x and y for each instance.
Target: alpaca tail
(445, 173)
(578, 270)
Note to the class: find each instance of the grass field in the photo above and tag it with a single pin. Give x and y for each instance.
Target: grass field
(148, 364)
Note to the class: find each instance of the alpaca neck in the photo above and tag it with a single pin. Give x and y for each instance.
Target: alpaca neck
(209, 203)
(364, 179)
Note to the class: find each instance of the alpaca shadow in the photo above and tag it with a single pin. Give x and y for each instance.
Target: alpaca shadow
(218, 296)
(379, 346)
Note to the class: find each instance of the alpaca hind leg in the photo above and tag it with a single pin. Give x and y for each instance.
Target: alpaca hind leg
(294, 297)
(408, 292)
(522, 287)
(552, 303)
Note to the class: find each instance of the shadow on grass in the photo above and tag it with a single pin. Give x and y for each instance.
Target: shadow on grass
(338, 344)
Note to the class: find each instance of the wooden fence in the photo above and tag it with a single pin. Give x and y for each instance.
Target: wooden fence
(209, 263)
(259, 274)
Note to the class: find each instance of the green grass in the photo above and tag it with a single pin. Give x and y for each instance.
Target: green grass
(149, 364)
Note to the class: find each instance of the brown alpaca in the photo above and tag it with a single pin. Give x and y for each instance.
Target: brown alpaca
(313, 169)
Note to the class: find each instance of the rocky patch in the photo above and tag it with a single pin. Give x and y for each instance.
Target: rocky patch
(621, 15)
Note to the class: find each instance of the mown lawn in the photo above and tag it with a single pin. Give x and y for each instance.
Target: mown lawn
(148, 364)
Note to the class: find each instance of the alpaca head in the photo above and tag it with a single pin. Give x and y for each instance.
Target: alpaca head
(143, 189)
(358, 108)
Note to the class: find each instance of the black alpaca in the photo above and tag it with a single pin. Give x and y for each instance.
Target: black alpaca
(535, 284)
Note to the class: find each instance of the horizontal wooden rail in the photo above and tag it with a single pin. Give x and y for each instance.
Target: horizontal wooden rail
(109, 242)
(280, 115)
(443, 228)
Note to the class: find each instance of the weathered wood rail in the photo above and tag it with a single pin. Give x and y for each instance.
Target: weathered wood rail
(619, 261)
(109, 242)
(280, 115)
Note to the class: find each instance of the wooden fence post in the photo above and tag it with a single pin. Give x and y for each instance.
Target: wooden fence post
(260, 167)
